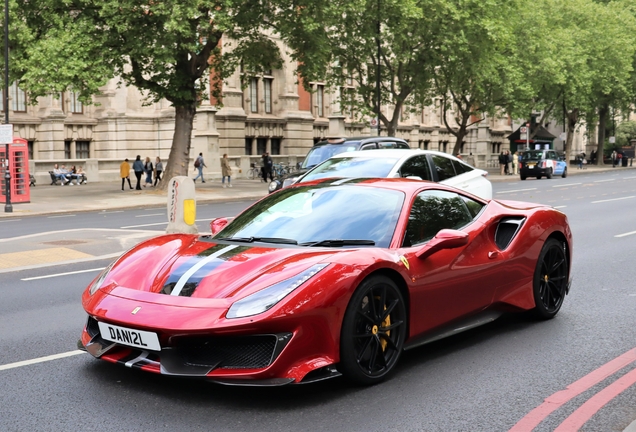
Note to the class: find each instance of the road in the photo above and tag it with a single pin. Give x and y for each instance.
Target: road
(486, 379)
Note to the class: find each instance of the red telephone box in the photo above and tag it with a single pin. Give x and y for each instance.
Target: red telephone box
(19, 169)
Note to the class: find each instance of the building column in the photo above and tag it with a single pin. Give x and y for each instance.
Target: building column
(337, 126)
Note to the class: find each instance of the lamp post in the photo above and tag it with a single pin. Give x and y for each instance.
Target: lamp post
(8, 208)
(377, 77)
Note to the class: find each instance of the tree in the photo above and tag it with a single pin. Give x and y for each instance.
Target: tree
(337, 41)
(165, 48)
(474, 71)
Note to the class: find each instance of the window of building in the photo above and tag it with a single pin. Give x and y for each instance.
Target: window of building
(320, 94)
(18, 98)
(496, 147)
(30, 145)
(267, 87)
(248, 146)
(67, 149)
(444, 146)
(76, 105)
(261, 145)
(82, 149)
(275, 146)
(254, 95)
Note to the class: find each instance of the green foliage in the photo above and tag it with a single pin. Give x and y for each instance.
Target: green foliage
(625, 133)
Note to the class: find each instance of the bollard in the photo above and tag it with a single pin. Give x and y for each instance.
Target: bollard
(182, 206)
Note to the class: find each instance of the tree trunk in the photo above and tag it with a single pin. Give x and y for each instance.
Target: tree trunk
(603, 111)
(572, 119)
(179, 159)
(461, 134)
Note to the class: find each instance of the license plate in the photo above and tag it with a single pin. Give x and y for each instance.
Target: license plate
(530, 166)
(131, 337)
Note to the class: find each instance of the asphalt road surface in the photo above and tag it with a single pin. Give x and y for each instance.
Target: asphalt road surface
(487, 379)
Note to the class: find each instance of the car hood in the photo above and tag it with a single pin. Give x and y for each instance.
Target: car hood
(197, 267)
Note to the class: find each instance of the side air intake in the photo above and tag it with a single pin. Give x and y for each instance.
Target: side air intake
(507, 229)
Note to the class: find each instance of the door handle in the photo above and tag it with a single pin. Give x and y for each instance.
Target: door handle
(493, 254)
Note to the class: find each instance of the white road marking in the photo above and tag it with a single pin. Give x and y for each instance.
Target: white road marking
(109, 212)
(613, 199)
(566, 185)
(61, 216)
(144, 225)
(11, 220)
(601, 181)
(40, 360)
(66, 231)
(625, 234)
(63, 274)
(517, 190)
(628, 178)
(154, 214)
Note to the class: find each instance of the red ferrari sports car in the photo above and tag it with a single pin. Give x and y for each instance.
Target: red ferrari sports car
(326, 278)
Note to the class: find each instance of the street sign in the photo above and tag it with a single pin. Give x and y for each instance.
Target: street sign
(6, 134)
(612, 140)
(374, 122)
(563, 136)
(523, 132)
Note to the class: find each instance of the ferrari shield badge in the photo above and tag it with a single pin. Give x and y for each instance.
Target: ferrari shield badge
(405, 262)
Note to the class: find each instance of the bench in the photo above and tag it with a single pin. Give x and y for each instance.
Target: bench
(54, 178)
(80, 178)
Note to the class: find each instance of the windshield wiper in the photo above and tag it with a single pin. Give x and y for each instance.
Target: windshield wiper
(339, 243)
(260, 239)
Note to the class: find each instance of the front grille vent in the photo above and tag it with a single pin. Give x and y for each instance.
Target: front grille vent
(249, 352)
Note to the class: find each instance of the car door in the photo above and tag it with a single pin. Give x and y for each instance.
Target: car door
(451, 283)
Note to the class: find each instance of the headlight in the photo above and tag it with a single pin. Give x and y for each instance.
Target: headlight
(273, 185)
(290, 181)
(266, 298)
(100, 279)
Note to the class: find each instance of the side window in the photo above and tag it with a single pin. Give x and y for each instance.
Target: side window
(402, 145)
(461, 168)
(443, 167)
(387, 145)
(370, 146)
(433, 211)
(416, 166)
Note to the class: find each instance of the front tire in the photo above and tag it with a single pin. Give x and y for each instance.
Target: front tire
(373, 331)
(565, 173)
(550, 280)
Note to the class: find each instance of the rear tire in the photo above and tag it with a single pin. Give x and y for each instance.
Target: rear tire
(522, 177)
(549, 174)
(373, 331)
(538, 177)
(550, 280)
(565, 173)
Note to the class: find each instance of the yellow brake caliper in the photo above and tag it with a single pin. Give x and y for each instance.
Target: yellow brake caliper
(385, 323)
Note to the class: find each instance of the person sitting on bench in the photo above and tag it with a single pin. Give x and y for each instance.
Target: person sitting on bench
(60, 174)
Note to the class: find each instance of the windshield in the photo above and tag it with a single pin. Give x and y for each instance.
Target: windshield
(322, 153)
(352, 167)
(313, 214)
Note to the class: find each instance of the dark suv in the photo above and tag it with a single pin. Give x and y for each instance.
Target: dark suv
(325, 149)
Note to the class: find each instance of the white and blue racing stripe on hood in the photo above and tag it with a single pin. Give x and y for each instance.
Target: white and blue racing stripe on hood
(184, 280)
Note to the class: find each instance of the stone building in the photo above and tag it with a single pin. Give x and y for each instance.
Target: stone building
(270, 112)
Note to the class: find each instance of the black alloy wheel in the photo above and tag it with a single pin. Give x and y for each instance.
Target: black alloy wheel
(373, 331)
(550, 279)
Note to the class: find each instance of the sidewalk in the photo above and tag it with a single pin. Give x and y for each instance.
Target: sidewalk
(46, 199)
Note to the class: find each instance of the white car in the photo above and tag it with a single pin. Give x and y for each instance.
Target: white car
(421, 164)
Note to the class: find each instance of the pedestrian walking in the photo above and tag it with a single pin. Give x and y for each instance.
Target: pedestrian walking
(268, 167)
(515, 163)
(124, 172)
(508, 162)
(148, 169)
(613, 159)
(199, 163)
(158, 170)
(226, 171)
(138, 168)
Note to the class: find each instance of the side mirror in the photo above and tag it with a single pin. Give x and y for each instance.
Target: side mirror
(444, 239)
(216, 225)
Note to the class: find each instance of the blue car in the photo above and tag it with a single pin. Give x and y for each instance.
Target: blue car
(542, 163)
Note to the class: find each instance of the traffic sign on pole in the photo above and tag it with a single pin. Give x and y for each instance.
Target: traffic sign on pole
(6, 134)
